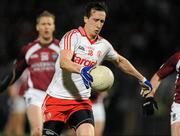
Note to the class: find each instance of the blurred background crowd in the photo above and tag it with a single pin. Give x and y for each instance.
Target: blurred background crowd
(144, 31)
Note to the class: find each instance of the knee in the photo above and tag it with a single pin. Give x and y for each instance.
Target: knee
(85, 129)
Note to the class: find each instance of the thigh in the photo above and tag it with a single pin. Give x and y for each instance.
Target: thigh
(80, 117)
(35, 116)
(85, 129)
(53, 128)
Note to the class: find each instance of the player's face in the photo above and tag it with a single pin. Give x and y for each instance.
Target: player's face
(94, 23)
(45, 27)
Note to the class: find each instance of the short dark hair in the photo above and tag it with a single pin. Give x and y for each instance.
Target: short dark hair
(45, 14)
(100, 6)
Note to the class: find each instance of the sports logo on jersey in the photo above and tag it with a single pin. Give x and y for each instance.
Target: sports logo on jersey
(44, 56)
(48, 116)
(81, 48)
(99, 53)
(54, 56)
(83, 61)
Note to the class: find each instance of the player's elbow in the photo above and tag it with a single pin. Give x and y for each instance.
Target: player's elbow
(64, 64)
(124, 65)
(122, 61)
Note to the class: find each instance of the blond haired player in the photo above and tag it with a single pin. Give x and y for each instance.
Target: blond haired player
(68, 101)
(39, 58)
(170, 66)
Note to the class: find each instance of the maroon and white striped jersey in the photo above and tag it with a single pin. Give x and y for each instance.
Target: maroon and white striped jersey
(40, 61)
(170, 66)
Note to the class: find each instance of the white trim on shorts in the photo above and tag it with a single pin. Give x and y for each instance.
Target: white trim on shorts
(34, 97)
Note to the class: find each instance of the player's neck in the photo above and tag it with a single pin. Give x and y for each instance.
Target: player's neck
(45, 41)
(90, 36)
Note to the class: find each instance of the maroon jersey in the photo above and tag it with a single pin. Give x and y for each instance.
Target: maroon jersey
(40, 61)
(170, 66)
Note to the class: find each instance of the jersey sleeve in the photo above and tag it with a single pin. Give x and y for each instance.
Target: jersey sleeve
(111, 53)
(69, 41)
(169, 66)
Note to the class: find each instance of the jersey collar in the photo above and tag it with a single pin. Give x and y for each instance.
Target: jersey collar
(83, 33)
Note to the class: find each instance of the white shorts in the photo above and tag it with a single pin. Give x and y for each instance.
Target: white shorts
(175, 113)
(98, 111)
(18, 105)
(34, 97)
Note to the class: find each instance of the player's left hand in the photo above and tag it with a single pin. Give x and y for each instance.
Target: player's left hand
(87, 78)
(146, 87)
(149, 105)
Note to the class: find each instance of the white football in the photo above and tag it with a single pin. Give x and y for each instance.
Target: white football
(103, 78)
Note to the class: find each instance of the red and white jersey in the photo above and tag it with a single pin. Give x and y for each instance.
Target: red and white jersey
(40, 62)
(68, 85)
(170, 66)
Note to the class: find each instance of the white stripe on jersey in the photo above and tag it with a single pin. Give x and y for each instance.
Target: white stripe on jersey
(177, 66)
(31, 50)
(30, 83)
(54, 48)
(68, 38)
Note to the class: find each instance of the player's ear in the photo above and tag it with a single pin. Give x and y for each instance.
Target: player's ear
(85, 19)
(37, 27)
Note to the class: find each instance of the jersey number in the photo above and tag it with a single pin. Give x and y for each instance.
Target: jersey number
(90, 52)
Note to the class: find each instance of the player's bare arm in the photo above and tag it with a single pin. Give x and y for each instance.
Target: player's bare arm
(155, 81)
(123, 64)
(66, 62)
(128, 68)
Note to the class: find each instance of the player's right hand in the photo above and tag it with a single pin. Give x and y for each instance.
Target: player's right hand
(87, 78)
(149, 105)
